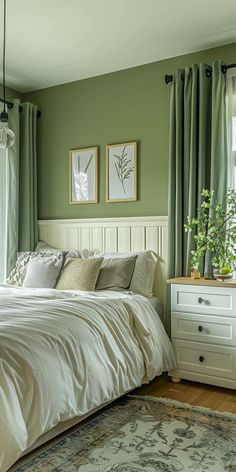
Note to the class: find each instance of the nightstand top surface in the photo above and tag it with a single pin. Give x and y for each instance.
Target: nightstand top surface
(231, 283)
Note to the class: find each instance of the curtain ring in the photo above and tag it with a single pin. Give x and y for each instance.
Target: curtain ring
(208, 72)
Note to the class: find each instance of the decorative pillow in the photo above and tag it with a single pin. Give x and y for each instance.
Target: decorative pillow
(144, 271)
(116, 273)
(43, 272)
(41, 246)
(144, 274)
(84, 254)
(79, 274)
(18, 273)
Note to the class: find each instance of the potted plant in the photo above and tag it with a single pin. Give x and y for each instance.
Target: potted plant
(215, 235)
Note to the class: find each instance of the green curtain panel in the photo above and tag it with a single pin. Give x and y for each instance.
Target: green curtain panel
(198, 155)
(22, 226)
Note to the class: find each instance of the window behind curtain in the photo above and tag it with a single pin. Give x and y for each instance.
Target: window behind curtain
(231, 111)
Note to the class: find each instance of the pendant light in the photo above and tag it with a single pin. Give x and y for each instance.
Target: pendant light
(7, 137)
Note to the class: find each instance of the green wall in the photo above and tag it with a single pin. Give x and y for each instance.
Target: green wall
(10, 93)
(128, 105)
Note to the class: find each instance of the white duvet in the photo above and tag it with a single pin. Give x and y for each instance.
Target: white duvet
(64, 353)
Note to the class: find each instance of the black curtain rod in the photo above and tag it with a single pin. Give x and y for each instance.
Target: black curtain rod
(224, 67)
(11, 105)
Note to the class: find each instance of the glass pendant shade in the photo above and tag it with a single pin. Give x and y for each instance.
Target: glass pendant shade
(7, 137)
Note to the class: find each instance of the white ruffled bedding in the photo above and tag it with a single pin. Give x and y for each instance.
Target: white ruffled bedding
(64, 353)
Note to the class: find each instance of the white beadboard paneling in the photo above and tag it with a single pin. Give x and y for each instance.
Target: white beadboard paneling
(124, 239)
(97, 238)
(111, 239)
(73, 238)
(85, 238)
(44, 233)
(138, 238)
(112, 235)
(152, 238)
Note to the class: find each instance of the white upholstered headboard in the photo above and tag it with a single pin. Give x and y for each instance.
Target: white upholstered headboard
(112, 234)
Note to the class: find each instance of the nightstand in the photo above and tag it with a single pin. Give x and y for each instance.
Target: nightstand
(203, 330)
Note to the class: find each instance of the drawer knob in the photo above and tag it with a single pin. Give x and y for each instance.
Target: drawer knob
(200, 328)
(200, 300)
(201, 358)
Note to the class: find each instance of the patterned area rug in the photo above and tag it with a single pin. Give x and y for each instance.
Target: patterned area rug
(144, 434)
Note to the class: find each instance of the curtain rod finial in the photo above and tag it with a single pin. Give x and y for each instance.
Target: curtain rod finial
(168, 78)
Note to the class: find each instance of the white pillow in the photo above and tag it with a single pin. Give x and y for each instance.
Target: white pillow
(17, 275)
(142, 280)
(144, 274)
(43, 272)
(84, 254)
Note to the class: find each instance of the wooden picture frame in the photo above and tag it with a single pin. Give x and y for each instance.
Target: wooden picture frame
(121, 172)
(83, 175)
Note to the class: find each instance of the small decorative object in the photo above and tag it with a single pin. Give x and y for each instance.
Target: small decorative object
(121, 172)
(215, 235)
(226, 272)
(83, 175)
(195, 274)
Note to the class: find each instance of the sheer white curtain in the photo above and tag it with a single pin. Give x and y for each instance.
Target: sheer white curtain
(3, 213)
(231, 111)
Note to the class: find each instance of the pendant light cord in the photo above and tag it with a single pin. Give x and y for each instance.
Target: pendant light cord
(4, 56)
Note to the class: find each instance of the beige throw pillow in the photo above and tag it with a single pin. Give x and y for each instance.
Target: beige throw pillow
(79, 274)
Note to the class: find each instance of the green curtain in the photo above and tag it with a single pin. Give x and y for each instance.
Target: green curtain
(198, 156)
(22, 226)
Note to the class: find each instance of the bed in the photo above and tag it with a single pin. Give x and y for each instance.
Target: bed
(64, 354)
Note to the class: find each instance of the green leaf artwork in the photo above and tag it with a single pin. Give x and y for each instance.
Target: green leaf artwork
(123, 166)
(214, 231)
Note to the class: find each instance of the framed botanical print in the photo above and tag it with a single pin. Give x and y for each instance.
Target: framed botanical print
(83, 175)
(121, 172)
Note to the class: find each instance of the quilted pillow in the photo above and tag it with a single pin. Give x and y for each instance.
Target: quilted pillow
(79, 274)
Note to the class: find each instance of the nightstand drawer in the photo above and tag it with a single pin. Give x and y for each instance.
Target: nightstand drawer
(204, 328)
(209, 300)
(218, 361)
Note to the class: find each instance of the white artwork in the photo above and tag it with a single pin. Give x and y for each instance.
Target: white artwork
(83, 175)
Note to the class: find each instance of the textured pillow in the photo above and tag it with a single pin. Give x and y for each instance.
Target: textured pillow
(116, 273)
(79, 274)
(144, 271)
(43, 272)
(18, 273)
(83, 254)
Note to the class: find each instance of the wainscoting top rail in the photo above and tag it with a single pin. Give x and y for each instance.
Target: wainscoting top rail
(163, 220)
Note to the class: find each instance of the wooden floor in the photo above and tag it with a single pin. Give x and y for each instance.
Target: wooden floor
(208, 396)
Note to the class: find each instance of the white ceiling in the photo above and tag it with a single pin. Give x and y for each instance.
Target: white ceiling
(51, 42)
